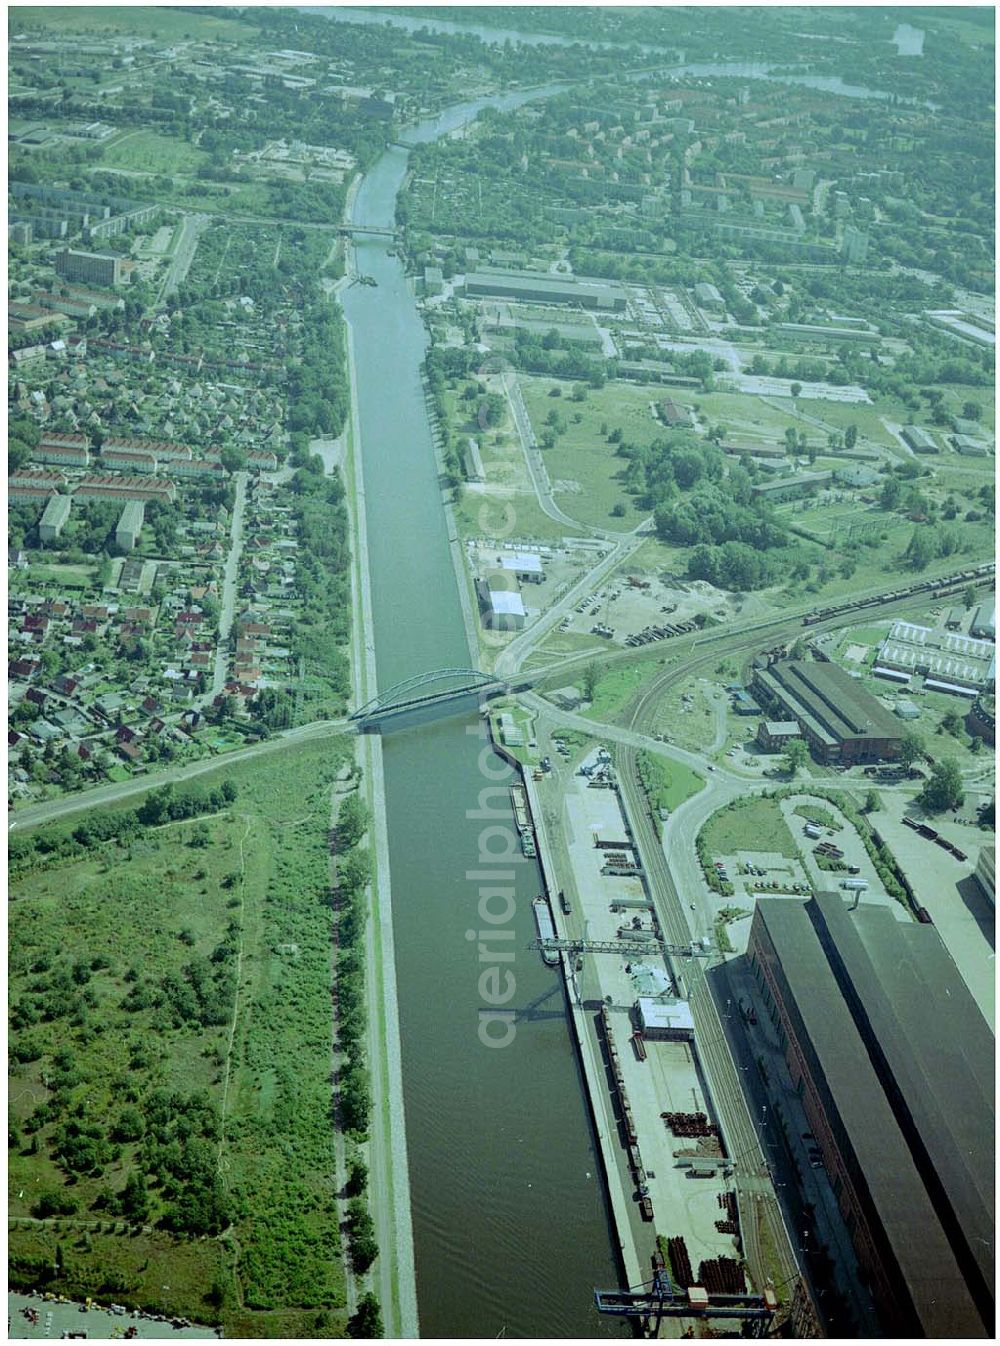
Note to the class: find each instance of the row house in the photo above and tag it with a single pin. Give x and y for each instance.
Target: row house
(163, 449)
(129, 460)
(49, 481)
(204, 469)
(63, 439)
(62, 455)
(29, 495)
(120, 488)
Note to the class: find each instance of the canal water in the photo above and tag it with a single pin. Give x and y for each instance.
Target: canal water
(511, 1228)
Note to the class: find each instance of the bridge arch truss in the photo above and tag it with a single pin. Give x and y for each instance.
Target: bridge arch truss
(425, 687)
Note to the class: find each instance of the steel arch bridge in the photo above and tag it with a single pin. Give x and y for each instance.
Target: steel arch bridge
(439, 685)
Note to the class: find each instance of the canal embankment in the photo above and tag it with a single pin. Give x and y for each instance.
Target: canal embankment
(389, 1185)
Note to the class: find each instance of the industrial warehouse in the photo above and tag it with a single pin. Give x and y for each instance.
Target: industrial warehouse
(839, 720)
(894, 1065)
(546, 289)
(948, 660)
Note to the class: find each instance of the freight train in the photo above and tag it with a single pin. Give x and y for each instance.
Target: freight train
(944, 587)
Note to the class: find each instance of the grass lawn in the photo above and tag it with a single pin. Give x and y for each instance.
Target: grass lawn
(525, 721)
(868, 418)
(66, 576)
(818, 814)
(507, 518)
(618, 685)
(114, 937)
(742, 414)
(667, 784)
(749, 825)
(150, 152)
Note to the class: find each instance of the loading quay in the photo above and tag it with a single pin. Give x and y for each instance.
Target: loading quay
(663, 1144)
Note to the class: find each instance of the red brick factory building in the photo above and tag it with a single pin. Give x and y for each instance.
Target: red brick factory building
(839, 719)
(894, 1064)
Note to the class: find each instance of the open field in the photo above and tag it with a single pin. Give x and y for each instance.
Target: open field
(741, 413)
(129, 958)
(507, 517)
(150, 152)
(66, 576)
(749, 825)
(160, 24)
(582, 454)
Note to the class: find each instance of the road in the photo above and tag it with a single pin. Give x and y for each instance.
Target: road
(230, 575)
(104, 795)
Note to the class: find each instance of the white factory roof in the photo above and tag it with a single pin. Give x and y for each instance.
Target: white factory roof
(526, 561)
(944, 654)
(503, 601)
(893, 674)
(669, 1016)
(936, 685)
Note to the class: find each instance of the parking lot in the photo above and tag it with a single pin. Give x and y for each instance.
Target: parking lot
(643, 609)
(54, 1321)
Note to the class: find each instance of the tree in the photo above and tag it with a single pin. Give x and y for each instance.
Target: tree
(361, 1226)
(972, 411)
(355, 870)
(969, 597)
(357, 1175)
(922, 548)
(951, 723)
(591, 677)
(892, 492)
(872, 803)
(233, 459)
(352, 821)
(796, 755)
(134, 1200)
(850, 436)
(943, 789)
(366, 1322)
(795, 389)
(911, 749)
